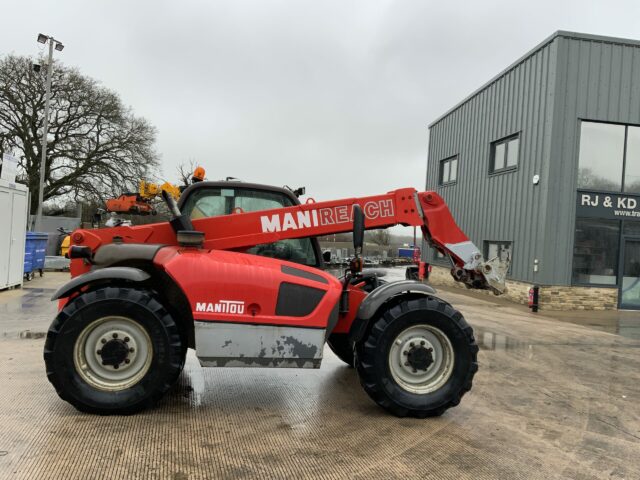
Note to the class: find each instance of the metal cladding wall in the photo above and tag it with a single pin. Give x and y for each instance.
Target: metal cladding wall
(598, 79)
(504, 206)
(569, 77)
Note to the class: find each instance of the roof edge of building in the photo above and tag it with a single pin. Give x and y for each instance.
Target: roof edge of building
(530, 53)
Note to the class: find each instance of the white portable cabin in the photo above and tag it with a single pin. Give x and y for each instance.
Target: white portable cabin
(13, 227)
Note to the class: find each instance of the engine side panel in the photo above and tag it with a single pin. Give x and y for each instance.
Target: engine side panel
(233, 287)
(254, 311)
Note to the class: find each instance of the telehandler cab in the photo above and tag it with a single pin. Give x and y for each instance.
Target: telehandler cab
(237, 275)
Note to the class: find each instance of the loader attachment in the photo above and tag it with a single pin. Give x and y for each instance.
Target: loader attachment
(495, 273)
(476, 272)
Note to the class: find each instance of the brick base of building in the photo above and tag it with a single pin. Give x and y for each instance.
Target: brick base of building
(552, 297)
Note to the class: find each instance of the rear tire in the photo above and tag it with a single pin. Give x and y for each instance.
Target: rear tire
(113, 351)
(340, 345)
(411, 273)
(418, 358)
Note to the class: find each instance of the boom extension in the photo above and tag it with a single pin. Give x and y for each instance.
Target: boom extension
(242, 230)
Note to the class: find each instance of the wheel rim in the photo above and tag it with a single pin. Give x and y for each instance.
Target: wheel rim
(421, 359)
(113, 353)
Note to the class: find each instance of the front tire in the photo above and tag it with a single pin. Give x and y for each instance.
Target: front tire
(113, 351)
(418, 358)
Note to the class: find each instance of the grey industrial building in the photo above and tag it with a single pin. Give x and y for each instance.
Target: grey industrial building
(542, 163)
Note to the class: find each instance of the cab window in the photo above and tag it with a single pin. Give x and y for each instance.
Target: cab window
(215, 201)
(211, 202)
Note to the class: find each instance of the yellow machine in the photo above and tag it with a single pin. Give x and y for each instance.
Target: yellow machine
(140, 203)
(64, 246)
(150, 190)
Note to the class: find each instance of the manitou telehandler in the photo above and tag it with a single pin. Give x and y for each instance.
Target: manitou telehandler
(237, 275)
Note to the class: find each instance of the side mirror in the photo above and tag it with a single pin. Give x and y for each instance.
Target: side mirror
(326, 256)
(358, 228)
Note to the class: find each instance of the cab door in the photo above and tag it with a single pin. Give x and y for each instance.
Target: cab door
(212, 199)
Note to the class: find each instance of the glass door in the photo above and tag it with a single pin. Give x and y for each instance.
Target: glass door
(630, 285)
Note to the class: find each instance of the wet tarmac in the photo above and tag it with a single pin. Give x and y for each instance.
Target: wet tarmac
(552, 399)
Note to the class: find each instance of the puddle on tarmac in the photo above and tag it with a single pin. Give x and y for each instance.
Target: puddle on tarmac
(30, 335)
(194, 386)
(38, 290)
(494, 341)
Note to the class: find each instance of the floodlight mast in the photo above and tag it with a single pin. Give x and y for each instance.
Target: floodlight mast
(53, 43)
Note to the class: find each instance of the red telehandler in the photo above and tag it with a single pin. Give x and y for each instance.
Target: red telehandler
(237, 275)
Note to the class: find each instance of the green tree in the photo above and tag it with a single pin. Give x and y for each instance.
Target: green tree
(96, 147)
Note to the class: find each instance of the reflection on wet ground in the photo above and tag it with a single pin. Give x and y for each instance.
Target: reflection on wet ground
(551, 400)
(488, 340)
(620, 322)
(26, 309)
(624, 323)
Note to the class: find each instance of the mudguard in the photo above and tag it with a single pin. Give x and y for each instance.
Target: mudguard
(378, 297)
(110, 273)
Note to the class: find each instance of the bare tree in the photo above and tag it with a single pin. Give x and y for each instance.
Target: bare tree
(379, 237)
(97, 148)
(587, 178)
(185, 172)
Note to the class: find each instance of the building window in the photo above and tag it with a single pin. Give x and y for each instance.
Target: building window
(631, 229)
(504, 154)
(448, 170)
(497, 249)
(595, 251)
(609, 157)
(601, 158)
(632, 161)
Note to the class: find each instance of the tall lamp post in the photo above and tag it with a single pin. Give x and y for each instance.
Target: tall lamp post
(53, 43)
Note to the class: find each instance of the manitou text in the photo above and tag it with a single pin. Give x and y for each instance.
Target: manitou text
(281, 222)
(223, 306)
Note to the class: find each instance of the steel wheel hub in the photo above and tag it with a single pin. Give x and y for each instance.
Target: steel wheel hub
(113, 353)
(421, 359)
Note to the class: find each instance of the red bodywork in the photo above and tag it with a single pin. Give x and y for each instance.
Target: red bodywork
(209, 277)
(219, 271)
(240, 231)
(129, 203)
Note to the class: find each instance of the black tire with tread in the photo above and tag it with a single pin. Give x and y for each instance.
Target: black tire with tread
(372, 352)
(340, 345)
(144, 308)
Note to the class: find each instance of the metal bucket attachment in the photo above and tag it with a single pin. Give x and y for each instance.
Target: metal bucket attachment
(495, 274)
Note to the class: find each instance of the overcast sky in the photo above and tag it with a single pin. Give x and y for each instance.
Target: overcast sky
(334, 95)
